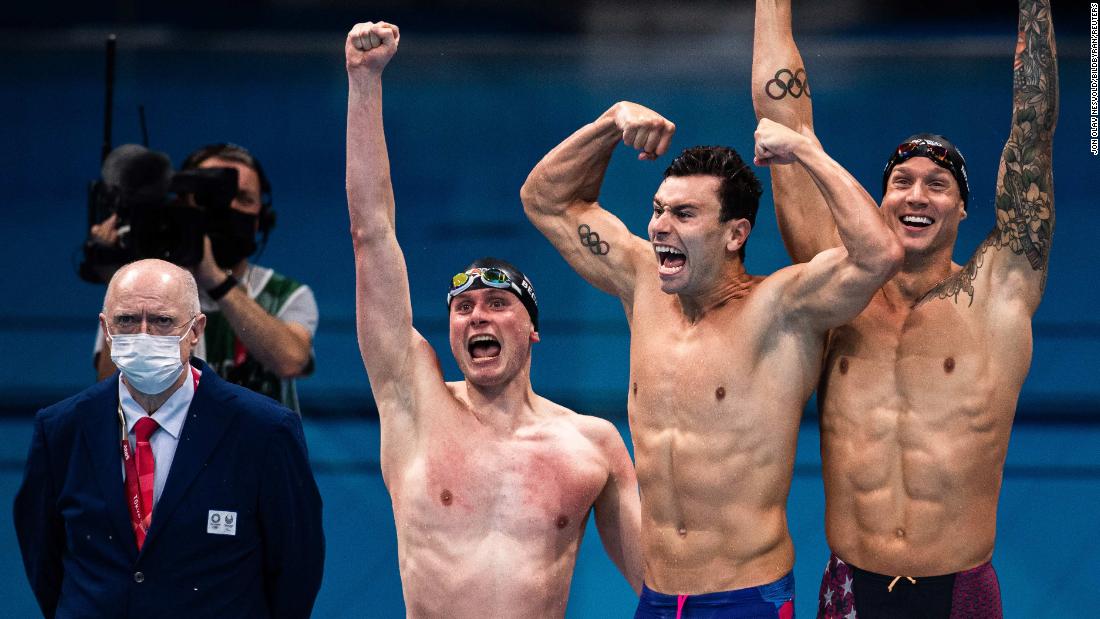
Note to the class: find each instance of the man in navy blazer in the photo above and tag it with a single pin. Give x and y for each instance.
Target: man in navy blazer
(235, 528)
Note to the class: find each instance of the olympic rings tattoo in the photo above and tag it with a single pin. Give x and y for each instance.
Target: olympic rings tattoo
(793, 84)
(592, 241)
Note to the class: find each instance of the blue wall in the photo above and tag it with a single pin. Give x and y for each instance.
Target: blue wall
(466, 121)
(465, 124)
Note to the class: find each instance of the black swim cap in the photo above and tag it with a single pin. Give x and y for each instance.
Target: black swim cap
(516, 283)
(936, 148)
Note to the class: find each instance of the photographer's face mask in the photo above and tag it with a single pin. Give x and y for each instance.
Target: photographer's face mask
(150, 363)
(232, 237)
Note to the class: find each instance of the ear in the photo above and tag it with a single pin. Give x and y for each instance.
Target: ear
(534, 336)
(738, 233)
(198, 328)
(963, 215)
(103, 327)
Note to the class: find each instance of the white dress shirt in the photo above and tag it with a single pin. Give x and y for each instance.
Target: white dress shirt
(170, 416)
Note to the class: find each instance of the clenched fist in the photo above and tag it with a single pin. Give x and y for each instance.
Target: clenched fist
(776, 143)
(370, 45)
(643, 129)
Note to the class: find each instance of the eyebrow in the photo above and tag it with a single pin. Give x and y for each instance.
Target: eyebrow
(491, 294)
(937, 172)
(150, 313)
(674, 207)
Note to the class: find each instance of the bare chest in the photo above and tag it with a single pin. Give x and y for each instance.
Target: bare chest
(721, 373)
(679, 369)
(465, 486)
(938, 358)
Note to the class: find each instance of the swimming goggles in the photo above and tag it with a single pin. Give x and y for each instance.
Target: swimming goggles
(939, 154)
(495, 278)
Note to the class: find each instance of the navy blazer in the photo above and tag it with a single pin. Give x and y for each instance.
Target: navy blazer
(238, 452)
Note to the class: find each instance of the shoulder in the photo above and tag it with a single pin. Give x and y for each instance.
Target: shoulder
(800, 279)
(282, 296)
(66, 411)
(766, 291)
(259, 408)
(264, 278)
(597, 431)
(256, 412)
(820, 264)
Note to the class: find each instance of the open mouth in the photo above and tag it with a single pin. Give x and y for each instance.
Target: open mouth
(483, 347)
(670, 259)
(916, 221)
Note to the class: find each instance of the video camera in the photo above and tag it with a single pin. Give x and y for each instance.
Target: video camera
(161, 213)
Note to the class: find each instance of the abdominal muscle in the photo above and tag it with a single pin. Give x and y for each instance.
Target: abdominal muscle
(913, 449)
(487, 575)
(713, 509)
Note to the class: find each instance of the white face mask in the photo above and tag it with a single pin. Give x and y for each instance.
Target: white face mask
(150, 363)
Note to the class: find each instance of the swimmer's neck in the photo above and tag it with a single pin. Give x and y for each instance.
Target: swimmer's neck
(735, 283)
(919, 274)
(504, 408)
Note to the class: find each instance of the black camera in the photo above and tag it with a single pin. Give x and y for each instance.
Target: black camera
(160, 213)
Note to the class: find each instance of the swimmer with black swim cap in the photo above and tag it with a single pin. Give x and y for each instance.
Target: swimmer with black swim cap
(937, 149)
(495, 273)
(919, 392)
(491, 483)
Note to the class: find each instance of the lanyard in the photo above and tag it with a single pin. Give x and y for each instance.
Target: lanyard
(139, 519)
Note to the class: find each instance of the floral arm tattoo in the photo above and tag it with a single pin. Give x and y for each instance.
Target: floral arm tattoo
(1025, 193)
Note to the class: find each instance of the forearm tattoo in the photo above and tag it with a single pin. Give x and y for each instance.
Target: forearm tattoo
(591, 240)
(1025, 193)
(1025, 200)
(788, 82)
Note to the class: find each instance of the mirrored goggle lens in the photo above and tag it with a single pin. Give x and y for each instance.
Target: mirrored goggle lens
(491, 277)
(923, 149)
(459, 279)
(494, 276)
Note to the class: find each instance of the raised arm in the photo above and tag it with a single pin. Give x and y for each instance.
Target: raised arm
(560, 196)
(1016, 252)
(618, 510)
(837, 284)
(781, 93)
(383, 310)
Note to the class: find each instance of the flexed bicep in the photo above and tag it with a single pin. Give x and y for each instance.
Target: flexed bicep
(597, 245)
(560, 196)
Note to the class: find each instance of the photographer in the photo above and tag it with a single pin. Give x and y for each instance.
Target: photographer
(260, 325)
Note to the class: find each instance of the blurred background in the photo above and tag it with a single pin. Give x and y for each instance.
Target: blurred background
(477, 93)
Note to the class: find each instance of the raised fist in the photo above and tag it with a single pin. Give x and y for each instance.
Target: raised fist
(776, 143)
(370, 45)
(643, 129)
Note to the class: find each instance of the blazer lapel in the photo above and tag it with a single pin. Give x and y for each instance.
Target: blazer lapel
(102, 440)
(207, 420)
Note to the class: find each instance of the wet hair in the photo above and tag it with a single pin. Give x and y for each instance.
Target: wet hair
(739, 189)
(526, 294)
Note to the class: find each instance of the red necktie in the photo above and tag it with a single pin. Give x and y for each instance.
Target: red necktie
(143, 457)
